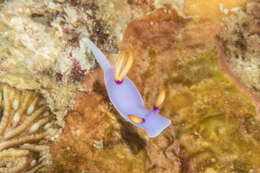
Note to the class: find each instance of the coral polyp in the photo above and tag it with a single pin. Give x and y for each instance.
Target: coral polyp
(26, 126)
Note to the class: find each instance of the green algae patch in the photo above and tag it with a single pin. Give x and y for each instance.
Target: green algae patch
(215, 124)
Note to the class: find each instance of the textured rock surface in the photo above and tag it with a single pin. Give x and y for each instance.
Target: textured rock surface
(214, 125)
(94, 140)
(241, 38)
(41, 47)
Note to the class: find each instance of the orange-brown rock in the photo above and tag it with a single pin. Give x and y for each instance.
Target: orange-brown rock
(214, 126)
(166, 34)
(95, 138)
(179, 55)
(213, 9)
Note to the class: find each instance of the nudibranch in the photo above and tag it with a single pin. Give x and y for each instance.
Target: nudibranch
(124, 95)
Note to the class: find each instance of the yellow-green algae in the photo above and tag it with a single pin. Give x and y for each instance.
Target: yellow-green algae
(214, 122)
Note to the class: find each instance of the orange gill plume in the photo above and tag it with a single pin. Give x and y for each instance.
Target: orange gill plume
(123, 65)
(135, 118)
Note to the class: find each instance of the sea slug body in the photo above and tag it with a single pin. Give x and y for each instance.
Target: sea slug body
(126, 98)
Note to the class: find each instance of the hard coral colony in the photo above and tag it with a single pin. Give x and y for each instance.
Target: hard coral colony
(125, 96)
(25, 128)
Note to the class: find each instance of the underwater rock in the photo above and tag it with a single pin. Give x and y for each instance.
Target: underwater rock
(240, 39)
(39, 36)
(215, 128)
(41, 50)
(41, 47)
(214, 125)
(26, 127)
(94, 139)
(213, 9)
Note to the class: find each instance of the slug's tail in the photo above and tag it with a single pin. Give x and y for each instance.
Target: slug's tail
(154, 124)
(100, 57)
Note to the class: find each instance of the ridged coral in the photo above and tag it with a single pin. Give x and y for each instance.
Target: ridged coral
(26, 126)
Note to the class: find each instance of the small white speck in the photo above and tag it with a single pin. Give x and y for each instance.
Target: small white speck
(51, 5)
(37, 125)
(213, 160)
(196, 133)
(30, 109)
(78, 132)
(46, 126)
(226, 11)
(54, 137)
(33, 163)
(251, 171)
(15, 104)
(165, 10)
(34, 128)
(16, 117)
(98, 144)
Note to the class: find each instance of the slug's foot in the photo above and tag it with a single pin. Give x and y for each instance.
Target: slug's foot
(123, 65)
(159, 100)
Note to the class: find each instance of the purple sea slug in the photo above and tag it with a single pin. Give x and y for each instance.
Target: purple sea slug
(125, 96)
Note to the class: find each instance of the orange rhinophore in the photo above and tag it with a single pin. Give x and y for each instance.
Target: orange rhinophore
(123, 65)
(160, 99)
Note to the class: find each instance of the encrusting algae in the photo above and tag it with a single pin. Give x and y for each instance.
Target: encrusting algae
(214, 125)
(240, 38)
(26, 126)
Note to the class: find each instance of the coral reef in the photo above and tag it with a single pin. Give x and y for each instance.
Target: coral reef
(240, 39)
(95, 140)
(215, 127)
(44, 35)
(41, 47)
(26, 126)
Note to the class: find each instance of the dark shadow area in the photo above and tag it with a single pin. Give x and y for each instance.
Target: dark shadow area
(131, 137)
(127, 130)
(101, 90)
